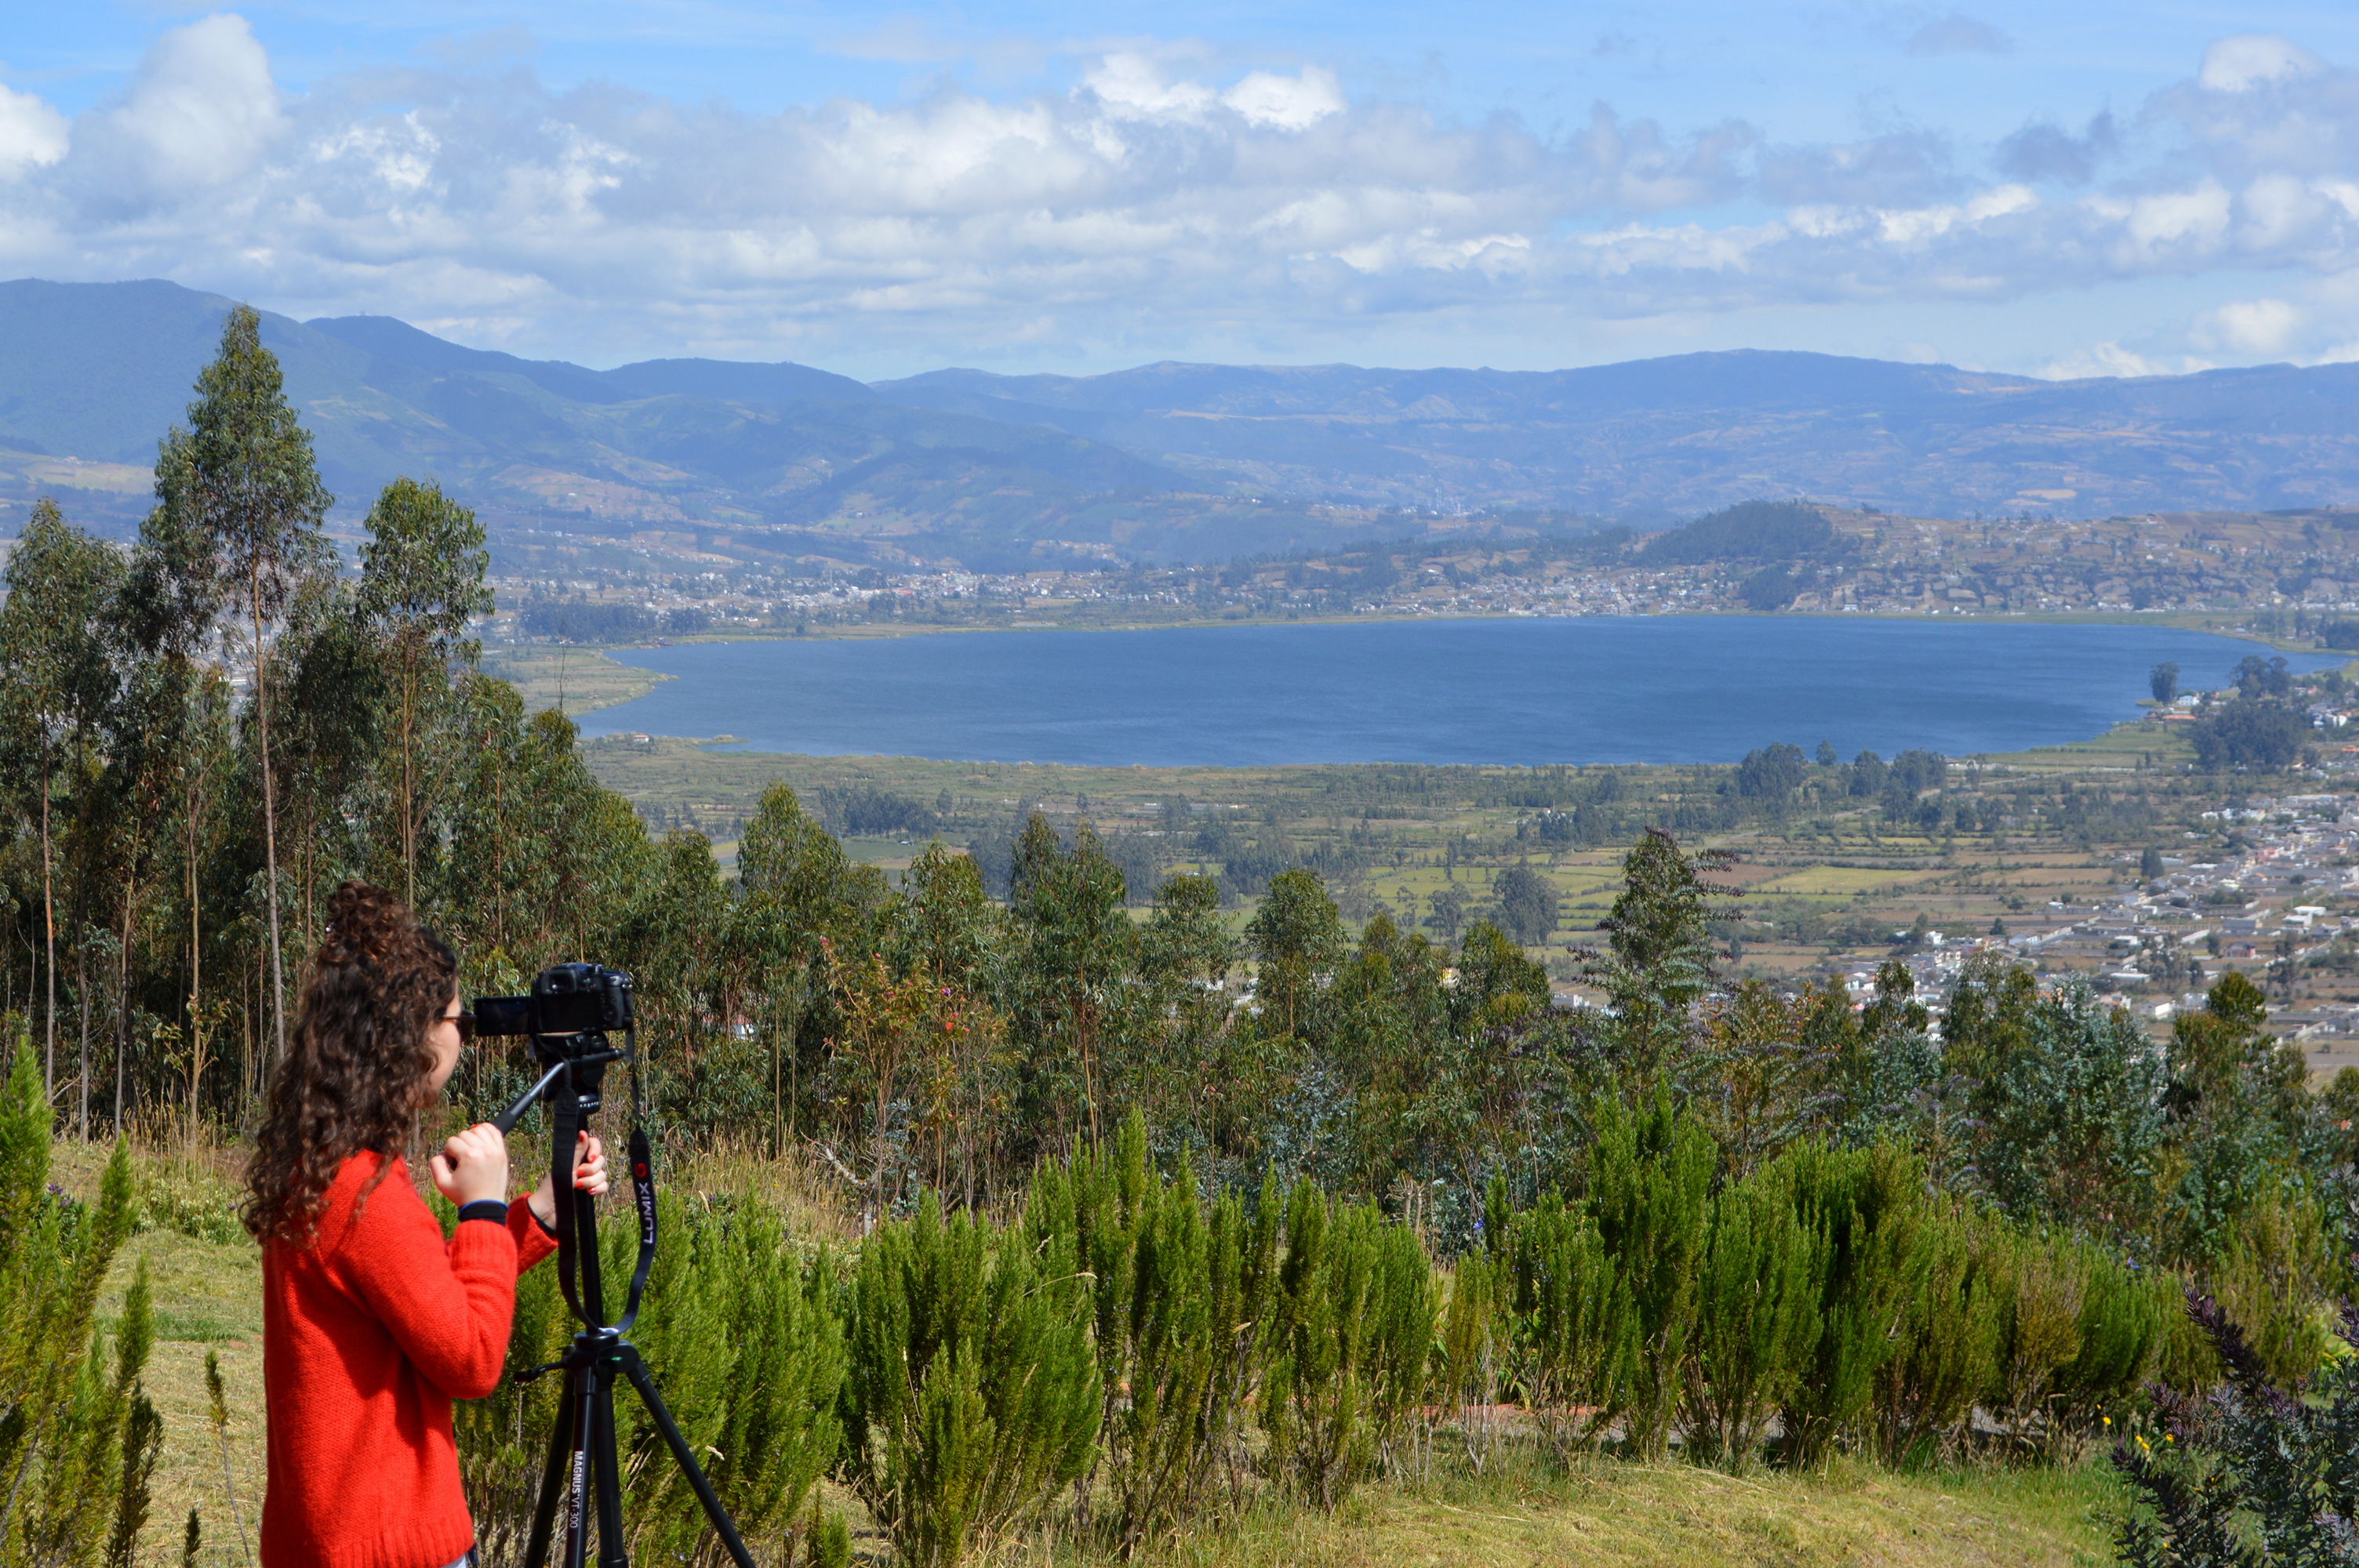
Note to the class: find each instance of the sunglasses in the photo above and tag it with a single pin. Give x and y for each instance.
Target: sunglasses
(465, 1018)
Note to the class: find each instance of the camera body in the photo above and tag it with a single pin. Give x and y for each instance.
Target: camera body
(571, 1009)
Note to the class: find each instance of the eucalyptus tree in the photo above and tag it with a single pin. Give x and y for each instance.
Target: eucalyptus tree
(1658, 960)
(799, 894)
(327, 681)
(1069, 904)
(1297, 936)
(242, 479)
(58, 644)
(421, 582)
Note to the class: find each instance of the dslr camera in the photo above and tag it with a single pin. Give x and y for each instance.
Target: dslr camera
(570, 1013)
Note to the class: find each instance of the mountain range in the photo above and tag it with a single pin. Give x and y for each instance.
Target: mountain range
(1164, 460)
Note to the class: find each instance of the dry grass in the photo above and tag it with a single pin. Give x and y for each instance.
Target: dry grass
(1675, 1515)
(1839, 880)
(812, 1197)
(208, 1297)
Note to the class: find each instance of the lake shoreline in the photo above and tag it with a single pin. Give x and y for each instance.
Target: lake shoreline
(619, 683)
(1503, 691)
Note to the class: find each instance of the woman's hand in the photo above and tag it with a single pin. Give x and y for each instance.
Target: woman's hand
(473, 1166)
(589, 1176)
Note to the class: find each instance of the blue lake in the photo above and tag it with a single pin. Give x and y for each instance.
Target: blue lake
(1590, 689)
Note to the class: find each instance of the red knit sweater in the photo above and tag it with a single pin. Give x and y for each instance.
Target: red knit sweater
(368, 1334)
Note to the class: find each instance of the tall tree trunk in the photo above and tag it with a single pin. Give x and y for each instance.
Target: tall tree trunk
(49, 937)
(82, 1076)
(408, 820)
(196, 915)
(122, 996)
(269, 832)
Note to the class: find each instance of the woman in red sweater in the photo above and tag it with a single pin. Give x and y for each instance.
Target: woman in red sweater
(372, 1323)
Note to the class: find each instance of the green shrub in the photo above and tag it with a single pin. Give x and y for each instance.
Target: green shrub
(972, 1393)
(1351, 1324)
(1575, 1326)
(744, 1344)
(1314, 1395)
(2124, 1310)
(1756, 1320)
(78, 1438)
(748, 1353)
(1404, 1305)
(1179, 1295)
(1472, 1347)
(2277, 1277)
(2079, 1331)
(2040, 1299)
(1945, 1354)
(1649, 1190)
(1866, 1208)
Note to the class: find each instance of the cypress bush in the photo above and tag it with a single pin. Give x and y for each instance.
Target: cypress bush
(78, 1436)
(1179, 1293)
(747, 1350)
(1945, 1354)
(1576, 1328)
(2276, 1277)
(747, 1347)
(2078, 1330)
(2039, 1328)
(2124, 1315)
(1472, 1348)
(1756, 1320)
(1352, 1327)
(1866, 1207)
(972, 1392)
(1315, 1397)
(1649, 1193)
(1404, 1307)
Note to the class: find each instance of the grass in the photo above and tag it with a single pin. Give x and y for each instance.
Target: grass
(1839, 880)
(1522, 1510)
(581, 680)
(207, 1290)
(1672, 1515)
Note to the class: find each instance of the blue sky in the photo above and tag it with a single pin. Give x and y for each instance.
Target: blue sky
(2087, 190)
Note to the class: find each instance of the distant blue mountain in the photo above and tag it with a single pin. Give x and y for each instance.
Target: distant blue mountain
(1164, 460)
(1692, 432)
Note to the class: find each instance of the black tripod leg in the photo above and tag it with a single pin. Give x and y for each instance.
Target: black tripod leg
(552, 1479)
(606, 1476)
(577, 1491)
(637, 1371)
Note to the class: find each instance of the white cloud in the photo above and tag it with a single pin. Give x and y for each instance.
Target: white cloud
(1133, 84)
(32, 135)
(198, 115)
(2245, 61)
(1156, 197)
(2248, 327)
(2113, 359)
(1291, 102)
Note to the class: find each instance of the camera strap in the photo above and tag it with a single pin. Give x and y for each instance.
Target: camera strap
(565, 1108)
(643, 1193)
(643, 1197)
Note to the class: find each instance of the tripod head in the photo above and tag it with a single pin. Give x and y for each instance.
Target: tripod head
(570, 1016)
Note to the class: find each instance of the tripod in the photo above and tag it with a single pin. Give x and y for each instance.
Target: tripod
(581, 1470)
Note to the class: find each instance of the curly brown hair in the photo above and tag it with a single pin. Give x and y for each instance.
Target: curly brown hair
(354, 1076)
